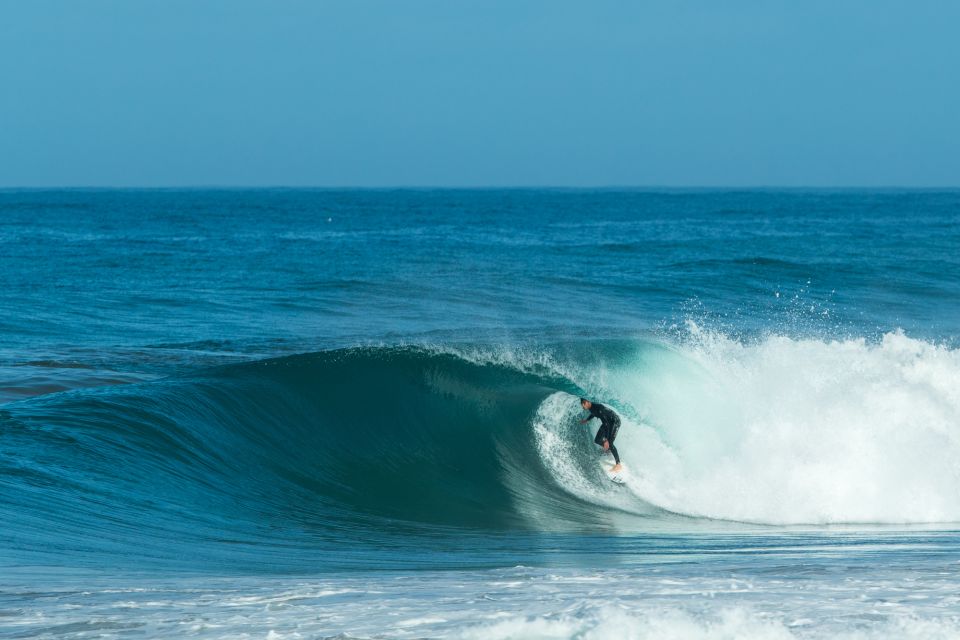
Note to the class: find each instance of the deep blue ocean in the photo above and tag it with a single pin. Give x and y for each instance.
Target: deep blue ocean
(354, 414)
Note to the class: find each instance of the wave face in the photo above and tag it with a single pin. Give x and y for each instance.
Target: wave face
(299, 451)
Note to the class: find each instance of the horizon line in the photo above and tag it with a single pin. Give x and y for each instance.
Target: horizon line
(427, 187)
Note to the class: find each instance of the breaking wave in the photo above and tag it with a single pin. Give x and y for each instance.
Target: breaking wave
(404, 439)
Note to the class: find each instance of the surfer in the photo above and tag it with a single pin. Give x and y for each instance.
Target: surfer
(609, 425)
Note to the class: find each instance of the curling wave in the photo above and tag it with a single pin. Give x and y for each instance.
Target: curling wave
(303, 449)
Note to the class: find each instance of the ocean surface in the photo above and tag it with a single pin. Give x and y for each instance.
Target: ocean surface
(353, 414)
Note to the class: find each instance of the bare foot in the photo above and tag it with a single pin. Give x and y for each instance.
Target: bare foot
(616, 467)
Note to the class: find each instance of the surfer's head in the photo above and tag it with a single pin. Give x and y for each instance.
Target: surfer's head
(586, 404)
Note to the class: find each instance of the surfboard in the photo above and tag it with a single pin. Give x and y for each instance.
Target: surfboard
(619, 477)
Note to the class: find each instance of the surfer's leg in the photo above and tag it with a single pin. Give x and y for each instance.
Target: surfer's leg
(613, 436)
(601, 436)
(612, 432)
(613, 450)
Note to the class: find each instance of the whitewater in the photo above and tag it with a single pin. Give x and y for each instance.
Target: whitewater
(784, 431)
(357, 417)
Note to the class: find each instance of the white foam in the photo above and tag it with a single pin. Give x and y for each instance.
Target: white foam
(612, 622)
(797, 431)
(914, 596)
(556, 437)
(567, 451)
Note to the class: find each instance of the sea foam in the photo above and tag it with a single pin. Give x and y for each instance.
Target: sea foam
(783, 430)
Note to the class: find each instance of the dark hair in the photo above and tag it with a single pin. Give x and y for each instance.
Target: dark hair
(582, 400)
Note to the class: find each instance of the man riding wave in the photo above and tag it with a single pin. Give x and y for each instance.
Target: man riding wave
(609, 424)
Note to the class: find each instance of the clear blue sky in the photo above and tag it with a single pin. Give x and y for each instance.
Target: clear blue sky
(448, 93)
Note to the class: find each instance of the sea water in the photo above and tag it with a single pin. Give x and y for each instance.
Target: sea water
(354, 414)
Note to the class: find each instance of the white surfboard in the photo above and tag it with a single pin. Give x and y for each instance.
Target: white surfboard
(620, 477)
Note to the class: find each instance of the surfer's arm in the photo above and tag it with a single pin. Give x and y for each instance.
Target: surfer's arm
(586, 420)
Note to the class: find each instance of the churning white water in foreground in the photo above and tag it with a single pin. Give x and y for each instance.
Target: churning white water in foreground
(722, 598)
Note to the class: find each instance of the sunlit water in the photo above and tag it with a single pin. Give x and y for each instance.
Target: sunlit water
(312, 414)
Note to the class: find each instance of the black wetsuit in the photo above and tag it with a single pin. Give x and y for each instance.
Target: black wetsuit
(609, 424)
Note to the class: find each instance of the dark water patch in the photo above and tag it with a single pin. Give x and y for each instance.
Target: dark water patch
(55, 364)
(753, 261)
(25, 380)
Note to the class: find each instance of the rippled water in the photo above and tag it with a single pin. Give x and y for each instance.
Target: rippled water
(313, 413)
